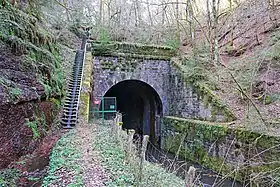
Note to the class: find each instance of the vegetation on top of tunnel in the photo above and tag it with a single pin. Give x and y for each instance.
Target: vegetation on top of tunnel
(133, 50)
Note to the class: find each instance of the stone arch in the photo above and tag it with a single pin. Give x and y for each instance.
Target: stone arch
(140, 105)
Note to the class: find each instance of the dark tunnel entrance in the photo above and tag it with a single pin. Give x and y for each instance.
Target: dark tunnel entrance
(140, 106)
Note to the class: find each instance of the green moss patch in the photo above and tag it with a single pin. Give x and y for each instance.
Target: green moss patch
(23, 35)
(9, 177)
(218, 146)
(134, 50)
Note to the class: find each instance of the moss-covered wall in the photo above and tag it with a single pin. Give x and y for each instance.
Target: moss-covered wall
(30, 58)
(86, 87)
(132, 49)
(237, 153)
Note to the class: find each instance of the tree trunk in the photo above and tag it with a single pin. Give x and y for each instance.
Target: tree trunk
(163, 13)
(150, 14)
(215, 8)
(67, 11)
(231, 30)
(209, 24)
(177, 21)
(109, 13)
(190, 15)
(101, 13)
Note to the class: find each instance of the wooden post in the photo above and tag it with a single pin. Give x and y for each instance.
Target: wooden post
(117, 127)
(142, 158)
(144, 146)
(191, 177)
(129, 151)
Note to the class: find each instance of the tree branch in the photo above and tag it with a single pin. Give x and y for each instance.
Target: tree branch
(244, 93)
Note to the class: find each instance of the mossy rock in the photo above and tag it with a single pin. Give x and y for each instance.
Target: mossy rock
(25, 36)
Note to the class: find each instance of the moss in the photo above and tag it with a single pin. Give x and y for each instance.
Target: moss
(203, 130)
(85, 99)
(33, 125)
(253, 146)
(271, 99)
(86, 84)
(103, 48)
(55, 101)
(257, 139)
(9, 177)
(199, 155)
(169, 143)
(137, 56)
(206, 101)
(216, 102)
(196, 152)
(133, 50)
(24, 35)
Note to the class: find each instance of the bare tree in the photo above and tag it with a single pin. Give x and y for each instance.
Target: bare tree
(101, 15)
(215, 11)
(177, 21)
(190, 15)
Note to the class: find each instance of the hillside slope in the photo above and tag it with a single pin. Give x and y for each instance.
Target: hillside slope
(31, 81)
(253, 59)
(249, 45)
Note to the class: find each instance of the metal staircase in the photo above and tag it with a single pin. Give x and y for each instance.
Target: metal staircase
(71, 104)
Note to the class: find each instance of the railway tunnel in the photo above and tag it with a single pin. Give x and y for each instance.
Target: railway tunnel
(140, 105)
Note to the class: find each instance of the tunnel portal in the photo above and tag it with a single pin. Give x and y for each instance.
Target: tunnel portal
(140, 106)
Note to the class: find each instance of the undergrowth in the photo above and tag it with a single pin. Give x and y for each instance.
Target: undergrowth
(33, 126)
(9, 177)
(124, 174)
(63, 159)
(194, 71)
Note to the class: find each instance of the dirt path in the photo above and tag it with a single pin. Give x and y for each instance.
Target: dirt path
(93, 173)
(74, 161)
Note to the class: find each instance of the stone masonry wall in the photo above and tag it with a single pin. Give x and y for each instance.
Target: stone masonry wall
(109, 71)
(183, 98)
(177, 96)
(236, 153)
